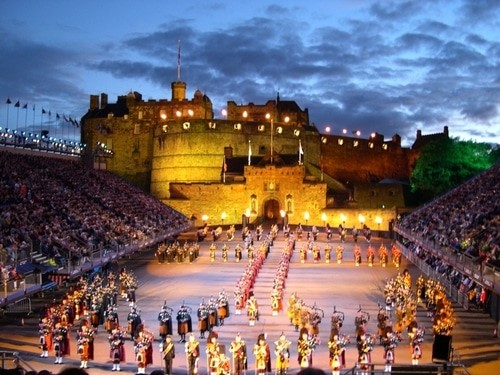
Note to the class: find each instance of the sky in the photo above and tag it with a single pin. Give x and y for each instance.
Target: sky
(386, 66)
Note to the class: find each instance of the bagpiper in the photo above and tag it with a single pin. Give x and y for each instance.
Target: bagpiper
(45, 330)
(61, 342)
(282, 353)
(252, 310)
(144, 350)
(212, 250)
(336, 349)
(224, 253)
(117, 349)
(365, 344)
(262, 355)
(134, 321)
(214, 351)
(328, 251)
(112, 320)
(340, 253)
(202, 314)
(390, 341)
(192, 349)
(184, 324)
(222, 306)
(212, 313)
(237, 253)
(305, 347)
(370, 255)
(238, 350)
(167, 350)
(416, 337)
(85, 344)
(165, 321)
(357, 255)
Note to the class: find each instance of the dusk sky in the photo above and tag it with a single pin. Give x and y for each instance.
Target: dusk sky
(384, 66)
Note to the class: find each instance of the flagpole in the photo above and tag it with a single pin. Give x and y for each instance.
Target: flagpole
(33, 124)
(249, 152)
(25, 107)
(17, 105)
(8, 106)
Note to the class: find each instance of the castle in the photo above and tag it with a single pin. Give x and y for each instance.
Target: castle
(256, 162)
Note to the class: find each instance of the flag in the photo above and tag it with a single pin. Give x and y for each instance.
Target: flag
(301, 151)
(25, 106)
(65, 118)
(8, 101)
(33, 108)
(249, 152)
(17, 105)
(50, 114)
(57, 116)
(43, 111)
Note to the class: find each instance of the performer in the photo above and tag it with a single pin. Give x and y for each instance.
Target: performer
(212, 250)
(167, 349)
(192, 349)
(340, 252)
(144, 349)
(212, 313)
(224, 253)
(112, 320)
(213, 351)
(252, 310)
(165, 321)
(416, 337)
(305, 347)
(85, 344)
(390, 341)
(222, 306)
(117, 350)
(140, 353)
(134, 321)
(238, 350)
(357, 255)
(237, 252)
(328, 251)
(303, 254)
(202, 319)
(282, 353)
(316, 253)
(61, 342)
(184, 323)
(336, 347)
(365, 346)
(45, 329)
(370, 256)
(262, 355)
(275, 301)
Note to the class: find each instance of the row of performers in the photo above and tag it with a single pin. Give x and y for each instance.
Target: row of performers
(264, 248)
(175, 253)
(383, 255)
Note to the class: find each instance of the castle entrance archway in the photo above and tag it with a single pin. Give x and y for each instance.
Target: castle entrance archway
(272, 210)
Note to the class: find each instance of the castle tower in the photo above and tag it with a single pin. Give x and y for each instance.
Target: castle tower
(178, 91)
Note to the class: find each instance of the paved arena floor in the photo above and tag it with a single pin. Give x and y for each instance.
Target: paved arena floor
(343, 286)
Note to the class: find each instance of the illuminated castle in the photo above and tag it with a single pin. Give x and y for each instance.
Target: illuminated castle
(261, 161)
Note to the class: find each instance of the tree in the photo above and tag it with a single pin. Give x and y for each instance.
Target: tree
(446, 163)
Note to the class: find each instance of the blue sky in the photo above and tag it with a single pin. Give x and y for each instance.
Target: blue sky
(385, 66)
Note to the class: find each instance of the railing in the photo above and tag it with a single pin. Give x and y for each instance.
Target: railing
(12, 360)
(482, 273)
(33, 141)
(380, 368)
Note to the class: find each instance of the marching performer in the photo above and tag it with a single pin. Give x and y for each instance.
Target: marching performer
(202, 319)
(370, 256)
(214, 352)
(45, 329)
(252, 310)
(167, 349)
(192, 349)
(144, 350)
(262, 355)
(416, 337)
(336, 348)
(390, 341)
(85, 344)
(184, 324)
(365, 347)
(165, 321)
(222, 306)
(112, 320)
(275, 301)
(357, 255)
(328, 251)
(282, 353)
(305, 347)
(382, 253)
(212, 313)
(316, 253)
(224, 253)
(238, 350)
(340, 253)
(134, 321)
(237, 252)
(212, 250)
(117, 349)
(61, 342)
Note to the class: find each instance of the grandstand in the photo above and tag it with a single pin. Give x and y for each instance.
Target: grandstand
(60, 219)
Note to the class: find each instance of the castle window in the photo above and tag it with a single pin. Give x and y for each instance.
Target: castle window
(373, 193)
(137, 129)
(340, 141)
(355, 143)
(370, 144)
(384, 146)
(139, 115)
(289, 204)
(237, 126)
(392, 193)
(261, 128)
(296, 132)
(253, 204)
(212, 125)
(279, 130)
(262, 150)
(186, 125)
(323, 139)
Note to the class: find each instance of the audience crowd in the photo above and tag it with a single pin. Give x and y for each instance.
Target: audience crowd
(465, 220)
(64, 210)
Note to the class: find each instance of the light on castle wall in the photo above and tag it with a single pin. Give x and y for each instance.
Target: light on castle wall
(328, 129)
(361, 219)
(245, 114)
(224, 112)
(344, 131)
(378, 220)
(190, 112)
(287, 119)
(324, 218)
(204, 218)
(163, 116)
(307, 216)
(223, 217)
(342, 218)
(178, 113)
